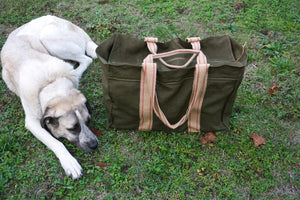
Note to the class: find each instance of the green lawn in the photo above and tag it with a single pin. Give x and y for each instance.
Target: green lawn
(157, 165)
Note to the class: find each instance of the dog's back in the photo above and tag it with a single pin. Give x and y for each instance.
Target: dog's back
(25, 55)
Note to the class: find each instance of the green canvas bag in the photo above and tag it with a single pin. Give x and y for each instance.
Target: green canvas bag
(173, 86)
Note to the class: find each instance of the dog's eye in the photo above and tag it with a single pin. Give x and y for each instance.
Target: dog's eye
(75, 129)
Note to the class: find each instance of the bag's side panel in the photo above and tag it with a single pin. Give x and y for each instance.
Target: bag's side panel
(120, 82)
(220, 94)
(216, 98)
(230, 101)
(125, 104)
(124, 94)
(106, 94)
(103, 52)
(225, 76)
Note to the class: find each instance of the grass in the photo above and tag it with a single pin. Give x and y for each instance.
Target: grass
(157, 165)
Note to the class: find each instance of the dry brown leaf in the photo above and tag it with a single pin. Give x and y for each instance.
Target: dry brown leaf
(102, 165)
(208, 137)
(272, 89)
(223, 24)
(97, 132)
(257, 140)
(203, 140)
(103, 2)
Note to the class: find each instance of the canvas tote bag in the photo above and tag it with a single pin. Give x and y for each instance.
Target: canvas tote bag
(174, 86)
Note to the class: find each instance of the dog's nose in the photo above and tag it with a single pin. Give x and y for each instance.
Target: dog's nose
(93, 144)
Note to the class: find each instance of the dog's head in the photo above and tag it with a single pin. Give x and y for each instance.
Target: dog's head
(67, 118)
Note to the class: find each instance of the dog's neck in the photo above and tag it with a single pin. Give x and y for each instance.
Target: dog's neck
(60, 88)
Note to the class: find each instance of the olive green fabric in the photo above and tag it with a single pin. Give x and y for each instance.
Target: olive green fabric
(121, 57)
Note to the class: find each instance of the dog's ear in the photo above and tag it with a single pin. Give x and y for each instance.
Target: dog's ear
(48, 119)
(53, 121)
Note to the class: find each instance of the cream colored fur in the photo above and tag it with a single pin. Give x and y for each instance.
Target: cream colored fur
(35, 68)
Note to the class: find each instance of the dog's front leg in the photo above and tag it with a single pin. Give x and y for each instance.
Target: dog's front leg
(69, 163)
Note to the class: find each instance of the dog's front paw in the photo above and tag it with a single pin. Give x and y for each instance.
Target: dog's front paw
(71, 166)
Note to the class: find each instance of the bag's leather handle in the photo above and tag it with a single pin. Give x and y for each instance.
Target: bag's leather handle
(148, 97)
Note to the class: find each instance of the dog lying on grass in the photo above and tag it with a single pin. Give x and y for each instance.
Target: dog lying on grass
(36, 68)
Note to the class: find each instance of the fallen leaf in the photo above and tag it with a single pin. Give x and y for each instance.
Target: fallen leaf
(203, 140)
(208, 137)
(102, 165)
(274, 88)
(103, 2)
(97, 132)
(257, 140)
(223, 24)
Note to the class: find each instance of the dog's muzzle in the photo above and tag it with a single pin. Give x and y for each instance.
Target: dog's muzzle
(88, 141)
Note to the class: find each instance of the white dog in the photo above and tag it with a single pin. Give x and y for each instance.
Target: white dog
(35, 61)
